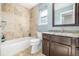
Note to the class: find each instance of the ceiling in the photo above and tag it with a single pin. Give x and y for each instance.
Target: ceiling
(28, 5)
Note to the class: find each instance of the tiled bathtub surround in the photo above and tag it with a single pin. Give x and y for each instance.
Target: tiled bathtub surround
(20, 21)
(17, 21)
(34, 21)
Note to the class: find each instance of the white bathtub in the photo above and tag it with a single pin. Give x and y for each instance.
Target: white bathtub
(11, 47)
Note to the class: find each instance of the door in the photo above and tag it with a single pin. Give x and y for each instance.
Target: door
(45, 46)
(61, 50)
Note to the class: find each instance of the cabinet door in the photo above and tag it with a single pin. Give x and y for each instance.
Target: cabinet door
(51, 48)
(45, 46)
(77, 51)
(61, 50)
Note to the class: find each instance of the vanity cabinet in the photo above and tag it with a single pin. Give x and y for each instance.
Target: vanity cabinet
(56, 45)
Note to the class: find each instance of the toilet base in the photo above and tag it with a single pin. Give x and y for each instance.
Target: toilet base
(36, 48)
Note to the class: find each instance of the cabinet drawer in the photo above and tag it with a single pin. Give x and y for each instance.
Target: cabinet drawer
(61, 39)
(46, 36)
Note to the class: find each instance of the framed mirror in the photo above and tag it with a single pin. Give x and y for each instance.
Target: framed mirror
(65, 14)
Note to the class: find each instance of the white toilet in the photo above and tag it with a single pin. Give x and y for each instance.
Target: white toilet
(36, 43)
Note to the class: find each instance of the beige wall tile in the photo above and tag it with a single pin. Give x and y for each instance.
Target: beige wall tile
(7, 7)
(17, 18)
(33, 24)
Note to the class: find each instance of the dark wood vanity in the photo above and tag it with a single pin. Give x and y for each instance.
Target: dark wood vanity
(64, 14)
(57, 45)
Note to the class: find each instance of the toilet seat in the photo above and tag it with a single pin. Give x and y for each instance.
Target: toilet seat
(35, 41)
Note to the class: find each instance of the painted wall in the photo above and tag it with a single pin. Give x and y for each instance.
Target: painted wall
(17, 21)
(50, 27)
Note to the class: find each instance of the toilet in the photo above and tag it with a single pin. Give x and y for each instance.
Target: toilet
(36, 43)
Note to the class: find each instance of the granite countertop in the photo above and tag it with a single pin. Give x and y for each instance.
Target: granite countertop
(64, 34)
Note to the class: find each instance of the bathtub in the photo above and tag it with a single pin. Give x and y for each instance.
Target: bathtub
(11, 47)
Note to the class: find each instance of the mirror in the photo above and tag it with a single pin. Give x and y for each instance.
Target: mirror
(64, 13)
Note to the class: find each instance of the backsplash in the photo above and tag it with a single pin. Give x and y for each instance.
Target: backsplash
(17, 21)
(69, 28)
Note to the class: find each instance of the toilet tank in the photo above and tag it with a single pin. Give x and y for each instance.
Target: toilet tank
(39, 35)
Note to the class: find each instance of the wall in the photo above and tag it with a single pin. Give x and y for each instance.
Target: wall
(34, 21)
(0, 23)
(48, 26)
(17, 21)
(0, 17)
